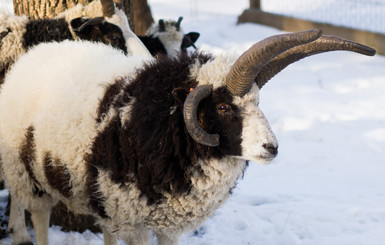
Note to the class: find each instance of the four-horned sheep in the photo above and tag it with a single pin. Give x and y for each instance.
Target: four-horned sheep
(140, 143)
(99, 21)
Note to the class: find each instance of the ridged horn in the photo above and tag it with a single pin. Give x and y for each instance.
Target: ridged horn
(321, 45)
(162, 26)
(247, 66)
(177, 24)
(191, 118)
(108, 7)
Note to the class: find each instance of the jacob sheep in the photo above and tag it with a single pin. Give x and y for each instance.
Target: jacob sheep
(167, 37)
(140, 143)
(98, 21)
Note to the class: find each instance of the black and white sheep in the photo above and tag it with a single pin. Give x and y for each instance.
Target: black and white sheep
(140, 143)
(167, 37)
(98, 21)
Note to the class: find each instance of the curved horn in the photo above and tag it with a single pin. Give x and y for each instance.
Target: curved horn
(93, 21)
(108, 7)
(177, 24)
(321, 45)
(162, 26)
(247, 66)
(191, 118)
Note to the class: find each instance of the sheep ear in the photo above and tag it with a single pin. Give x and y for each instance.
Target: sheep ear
(180, 95)
(79, 24)
(189, 39)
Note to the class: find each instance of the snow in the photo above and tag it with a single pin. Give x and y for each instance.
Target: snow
(367, 15)
(327, 184)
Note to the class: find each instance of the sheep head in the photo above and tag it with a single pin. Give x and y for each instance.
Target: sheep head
(110, 28)
(172, 36)
(244, 80)
(98, 29)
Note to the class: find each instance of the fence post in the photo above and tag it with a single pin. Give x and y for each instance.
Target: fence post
(255, 4)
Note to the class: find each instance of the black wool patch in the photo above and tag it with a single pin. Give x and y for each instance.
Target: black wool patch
(45, 30)
(57, 175)
(153, 44)
(28, 157)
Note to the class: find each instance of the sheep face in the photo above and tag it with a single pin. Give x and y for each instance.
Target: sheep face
(99, 30)
(240, 125)
(243, 130)
(171, 37)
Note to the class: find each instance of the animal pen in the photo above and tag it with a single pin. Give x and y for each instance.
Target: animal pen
(359, 20)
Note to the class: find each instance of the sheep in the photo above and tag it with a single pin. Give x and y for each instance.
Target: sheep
(98, 21)
(139, 143)
(167, 37)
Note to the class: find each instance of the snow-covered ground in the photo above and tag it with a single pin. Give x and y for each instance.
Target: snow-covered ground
(327, 185)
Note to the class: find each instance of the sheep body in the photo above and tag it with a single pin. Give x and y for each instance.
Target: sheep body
(49, 149)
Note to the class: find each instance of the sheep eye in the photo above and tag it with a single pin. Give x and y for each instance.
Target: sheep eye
(223, 108)
(114, 38)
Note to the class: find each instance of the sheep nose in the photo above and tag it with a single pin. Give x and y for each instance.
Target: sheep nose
(272, 149)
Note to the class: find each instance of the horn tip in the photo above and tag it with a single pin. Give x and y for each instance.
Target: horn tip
(371, 51)
(315, 33)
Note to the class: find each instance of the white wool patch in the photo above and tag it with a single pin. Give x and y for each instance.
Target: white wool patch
(213, 72)
(12, 44)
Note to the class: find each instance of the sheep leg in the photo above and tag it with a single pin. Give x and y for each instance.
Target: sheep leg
(139, 236)
(40, 221)
(167, 239)
(109, 239)
(16, 226)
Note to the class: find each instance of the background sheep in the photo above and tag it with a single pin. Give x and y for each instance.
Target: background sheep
(98, 21)
(167, 37)
(128, 142)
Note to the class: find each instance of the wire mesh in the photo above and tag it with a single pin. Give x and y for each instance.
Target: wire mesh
(368, 15)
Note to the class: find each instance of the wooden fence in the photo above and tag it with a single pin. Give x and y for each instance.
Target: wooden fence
(256, 15)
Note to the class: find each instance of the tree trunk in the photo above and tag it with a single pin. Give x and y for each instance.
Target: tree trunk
(138, 11)
(39, 9)
(142, 16)
(140, 19)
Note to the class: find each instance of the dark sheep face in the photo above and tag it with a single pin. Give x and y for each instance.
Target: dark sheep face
(99, 30)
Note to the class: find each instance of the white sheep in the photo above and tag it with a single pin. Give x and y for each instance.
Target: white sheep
(140, 143)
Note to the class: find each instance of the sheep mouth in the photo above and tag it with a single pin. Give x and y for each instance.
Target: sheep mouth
(265, 159)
